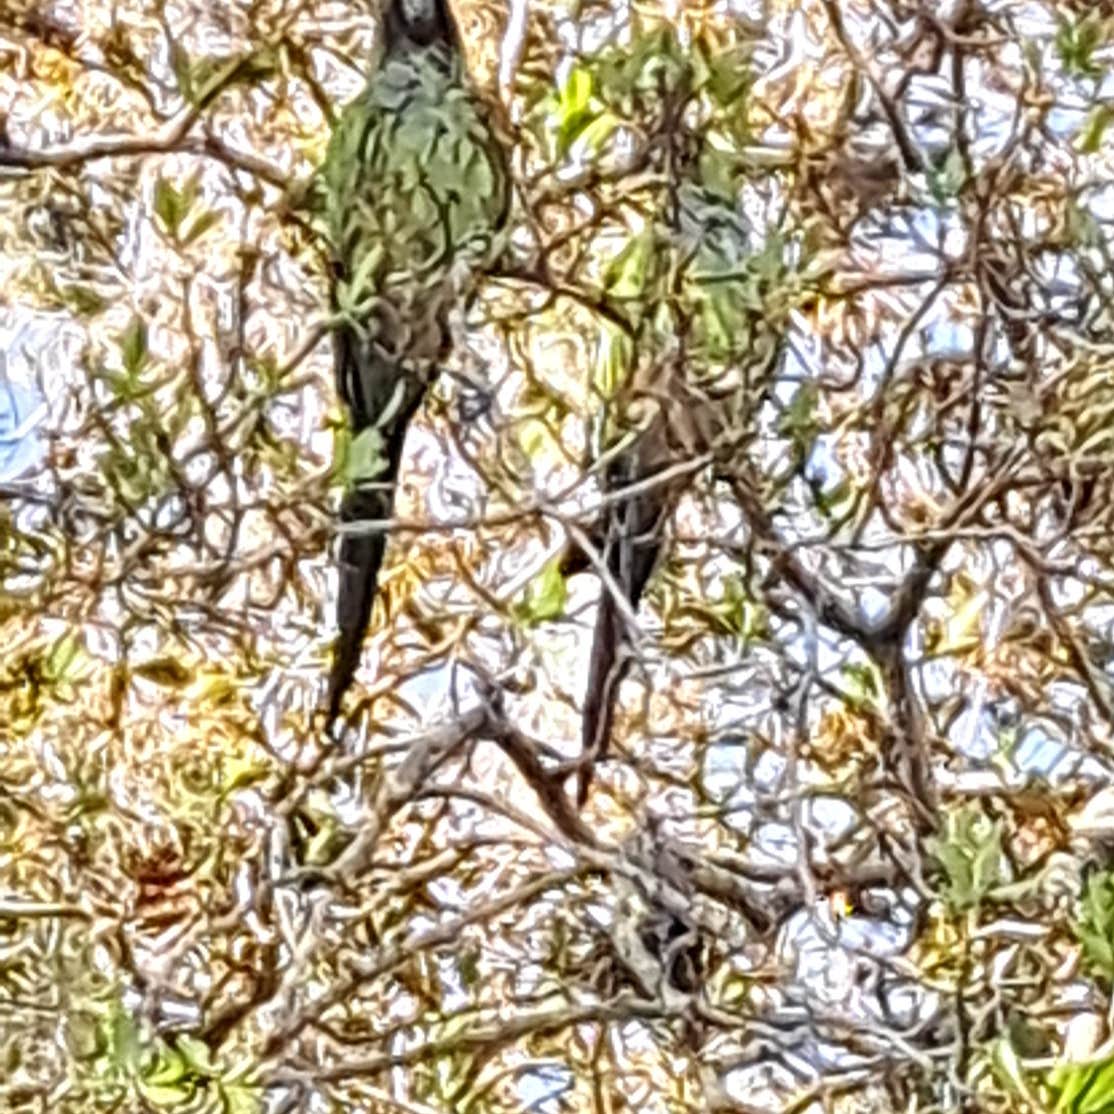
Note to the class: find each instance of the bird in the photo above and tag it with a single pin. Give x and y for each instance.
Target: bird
(677, 414)
(664, 425)
(414, 196)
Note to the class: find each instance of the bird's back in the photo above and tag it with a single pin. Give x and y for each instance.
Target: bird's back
(414, 193)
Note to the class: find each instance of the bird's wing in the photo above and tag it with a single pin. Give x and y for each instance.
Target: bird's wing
(632, 535)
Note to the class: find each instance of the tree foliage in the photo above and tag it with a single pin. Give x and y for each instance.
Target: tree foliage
(849, 849)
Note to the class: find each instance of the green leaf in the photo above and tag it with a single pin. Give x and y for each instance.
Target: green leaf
(576, 93)
(627, 274)
(133, 346)
(970, 853)
(729, 76)
(127, 1051)
(654, 63)
(200, 78)
(195, 75)
(67, 660)
(320, 834)
(738, 613)
(1084, 1088)
(1095, 927)
(170, 1068)
(241, 1099)
(1099, 1098)
(81, 300)
(832, 502)
(1004, 1058)
(614, 359)
(719, 172)
(166, 1097)
(205, 221)
(137, 471)
(720, 320)
(863, 685)
(946, 180)
(546, 595)
(1080, 227)
(769, 263)
(123, 387)
(534, 436)
(365, 462)
(598, 132)
(1090, 136)
(362, 283)
(1068, 1082)
(1076, 43)
(168, 205)
(468, 966)
(196, 1055)
(798, 420)
(573, 108)
(172, 205)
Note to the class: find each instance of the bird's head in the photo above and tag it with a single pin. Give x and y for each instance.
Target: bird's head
(419, 22)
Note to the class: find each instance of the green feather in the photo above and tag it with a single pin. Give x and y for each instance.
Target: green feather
(413, 187)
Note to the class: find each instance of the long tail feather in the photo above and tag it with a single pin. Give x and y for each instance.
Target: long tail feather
(369, 387)
(632, 549)
(606, 669)
(360, 558)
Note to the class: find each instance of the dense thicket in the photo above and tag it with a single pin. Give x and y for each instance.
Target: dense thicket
(812, 299)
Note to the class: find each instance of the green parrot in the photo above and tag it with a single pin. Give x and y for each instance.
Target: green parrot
(669, 415)
(414, 193)
(631, 541)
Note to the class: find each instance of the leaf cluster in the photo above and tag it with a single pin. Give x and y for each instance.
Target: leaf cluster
(1095, 927)
(969, 851)
(1077, 40)
(121, 1059)
(174, 204)
(1083, 1088)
